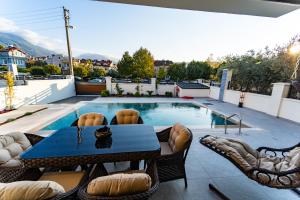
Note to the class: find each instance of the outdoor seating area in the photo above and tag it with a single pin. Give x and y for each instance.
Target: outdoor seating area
(165, 100)
(77, 164)
(75, 161)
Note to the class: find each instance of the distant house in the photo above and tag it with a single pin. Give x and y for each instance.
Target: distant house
(106, 64)
(161, 64)
(60, 60)
(55, 59)
(13, 55)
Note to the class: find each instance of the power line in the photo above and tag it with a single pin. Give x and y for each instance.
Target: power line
(36, 16)
(48, 28)
(43, 21)
(31, 11)
(38, 19)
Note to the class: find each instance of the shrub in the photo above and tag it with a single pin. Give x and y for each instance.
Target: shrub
(52, 69)
(129, 94)
(169, 94)
(37, 71)
(149, 93)
(137, 94)
(104, 93)
(119, 89)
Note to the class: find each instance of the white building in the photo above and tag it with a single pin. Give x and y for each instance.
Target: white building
(55, 59)
(13, 55)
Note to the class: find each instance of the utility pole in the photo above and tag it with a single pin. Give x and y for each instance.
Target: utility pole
(67, 26)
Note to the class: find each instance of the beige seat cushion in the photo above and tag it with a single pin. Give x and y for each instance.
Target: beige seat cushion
(68, 180)
(165, 148)
(119, 184)
(90, 119)
(29, 190)
(127, 116)
(179, 136)
(11, 146)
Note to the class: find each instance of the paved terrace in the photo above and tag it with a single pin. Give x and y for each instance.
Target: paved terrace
(203, 166)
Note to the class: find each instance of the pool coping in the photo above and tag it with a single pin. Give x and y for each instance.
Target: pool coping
(75, 106)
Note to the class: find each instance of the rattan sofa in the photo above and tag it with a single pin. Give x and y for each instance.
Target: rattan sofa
(19, 171)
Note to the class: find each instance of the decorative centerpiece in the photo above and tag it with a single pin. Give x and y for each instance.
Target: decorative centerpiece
(103, 132)
(104, 143)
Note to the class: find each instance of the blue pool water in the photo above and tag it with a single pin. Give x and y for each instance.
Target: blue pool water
(156, 114)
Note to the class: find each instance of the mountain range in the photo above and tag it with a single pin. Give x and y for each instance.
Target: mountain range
(31, 49)
(34, 50)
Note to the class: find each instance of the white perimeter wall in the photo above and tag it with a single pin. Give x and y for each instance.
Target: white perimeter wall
(290, 109)
(40, 92)
(163, 88)
(258, 102)
(232, 96)
(131, 88)
(214, 92)
(276, 104)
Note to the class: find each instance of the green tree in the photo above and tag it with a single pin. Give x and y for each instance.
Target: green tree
(52, 69)
(23, 70)
(2, 47)
(37, 71)
(81, 71)
(113, 73)
(143, 64)
(161, 74)
(31, 63)
(125, 65)
(3, 68)
(98, 72)
(196, 69)
(177, 71)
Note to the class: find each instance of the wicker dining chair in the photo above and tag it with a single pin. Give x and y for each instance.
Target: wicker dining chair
(90, 119)
(69, 181)
(171, 163)
(127, 116)
(271, 167)
(13, 169)
(101, 171)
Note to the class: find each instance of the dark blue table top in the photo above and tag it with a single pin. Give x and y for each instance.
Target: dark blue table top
(124, 139)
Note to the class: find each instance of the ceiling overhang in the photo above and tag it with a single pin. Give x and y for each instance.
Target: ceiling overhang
(265, 8)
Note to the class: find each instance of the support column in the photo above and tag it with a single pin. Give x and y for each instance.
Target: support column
(153, 86)
(108, 84)
(280, 90)
(226, 78)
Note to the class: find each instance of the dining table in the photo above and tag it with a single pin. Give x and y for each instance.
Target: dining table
(73, 146)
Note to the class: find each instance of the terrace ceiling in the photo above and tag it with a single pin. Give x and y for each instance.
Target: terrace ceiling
(266, 8)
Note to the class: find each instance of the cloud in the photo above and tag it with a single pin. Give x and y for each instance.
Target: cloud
(35, 38)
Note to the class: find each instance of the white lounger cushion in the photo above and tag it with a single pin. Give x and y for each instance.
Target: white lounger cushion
(11, 146)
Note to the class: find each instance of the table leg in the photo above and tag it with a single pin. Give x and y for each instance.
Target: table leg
(134, 165)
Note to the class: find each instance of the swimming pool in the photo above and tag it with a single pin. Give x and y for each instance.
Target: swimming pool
(156, 114)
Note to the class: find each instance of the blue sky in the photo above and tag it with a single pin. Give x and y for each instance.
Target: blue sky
(111, 29)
